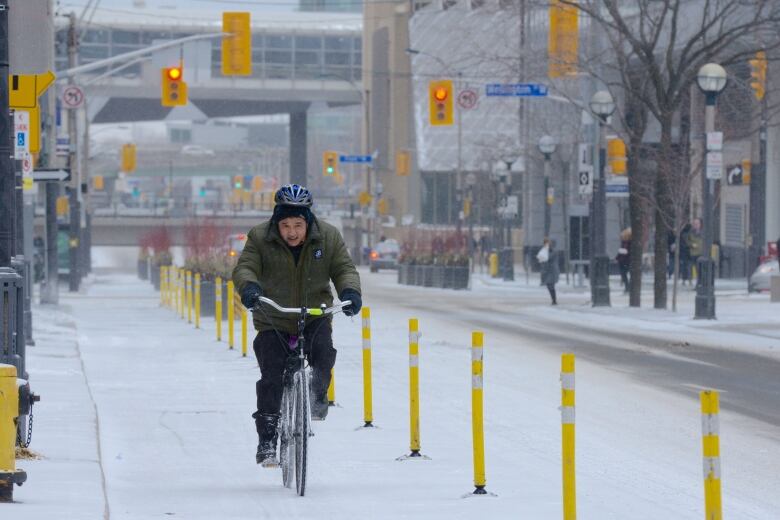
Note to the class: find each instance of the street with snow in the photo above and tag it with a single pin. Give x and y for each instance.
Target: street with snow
(143, 416)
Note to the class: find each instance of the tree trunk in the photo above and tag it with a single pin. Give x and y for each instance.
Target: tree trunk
(676, 269)
(663, 210)
(638, 233)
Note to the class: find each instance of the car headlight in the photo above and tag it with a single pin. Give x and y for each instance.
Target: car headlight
(767, 268)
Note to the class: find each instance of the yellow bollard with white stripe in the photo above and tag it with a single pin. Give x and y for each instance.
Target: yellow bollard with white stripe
(414, 388)
(567, 436)
(477, 426)
(188, 292)
(368, 413)
(175, 289)
(710, 426)
(218, 307)
(332, 389)
(243, 331)
(197, 300)
(182, 294)
(231, 306)
(162, 285)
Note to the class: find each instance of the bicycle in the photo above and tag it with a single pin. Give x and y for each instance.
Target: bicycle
(294, 427)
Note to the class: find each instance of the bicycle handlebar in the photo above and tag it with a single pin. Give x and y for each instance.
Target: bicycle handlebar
(317, 311)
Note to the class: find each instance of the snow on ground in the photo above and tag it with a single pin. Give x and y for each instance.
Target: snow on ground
(135, 396)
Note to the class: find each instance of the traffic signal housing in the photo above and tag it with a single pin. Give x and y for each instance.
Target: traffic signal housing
(403, 161)
(236, 48)
(330, 164)
(758, 67)
(174, 88)
(238, 182)
(616, 155)
(441, 103)
(128, 158)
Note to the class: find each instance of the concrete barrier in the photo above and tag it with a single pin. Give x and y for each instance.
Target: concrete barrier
(774, 289)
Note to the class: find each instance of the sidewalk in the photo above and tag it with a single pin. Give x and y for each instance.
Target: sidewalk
(745, 321)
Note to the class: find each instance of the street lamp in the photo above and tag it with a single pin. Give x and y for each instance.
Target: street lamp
(547, 147)
(602, 105)
(507, 256)
(711, 80)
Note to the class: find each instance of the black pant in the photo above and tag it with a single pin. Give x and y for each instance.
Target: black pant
(551, 289)
(272, 350)
(624, 275)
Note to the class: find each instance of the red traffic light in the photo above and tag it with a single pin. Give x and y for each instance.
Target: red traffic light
(174, 73)
(440, 94)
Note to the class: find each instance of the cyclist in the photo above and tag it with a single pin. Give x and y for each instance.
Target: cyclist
(291, 259)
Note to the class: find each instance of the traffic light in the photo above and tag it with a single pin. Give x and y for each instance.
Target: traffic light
(237, 48)
(238, 182)
(257, 184)
(202, 192)
(746, 169)
(174, 89)
(330, 164)
(403, 160)
(441, 102)
(616, 155)
(63, 206)
(97, 182)
(758, 74)
(128, 158)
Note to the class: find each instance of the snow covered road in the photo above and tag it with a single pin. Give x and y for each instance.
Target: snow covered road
(170, 430)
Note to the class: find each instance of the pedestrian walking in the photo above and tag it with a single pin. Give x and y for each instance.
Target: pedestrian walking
(549, 267)
(624, 257)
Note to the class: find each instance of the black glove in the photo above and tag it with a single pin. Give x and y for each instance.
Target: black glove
(353, 296)
(250, 294)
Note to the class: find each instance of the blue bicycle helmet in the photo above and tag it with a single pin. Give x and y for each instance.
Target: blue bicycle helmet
(293, 195)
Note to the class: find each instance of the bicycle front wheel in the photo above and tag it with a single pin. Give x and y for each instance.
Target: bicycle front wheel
(301, 429)
(286, 439)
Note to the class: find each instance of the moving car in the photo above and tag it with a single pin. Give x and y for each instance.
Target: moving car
(384, 255)
(761, 278)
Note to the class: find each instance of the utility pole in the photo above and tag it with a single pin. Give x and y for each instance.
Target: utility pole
(74, 238)
(7, 174)
(758, 197)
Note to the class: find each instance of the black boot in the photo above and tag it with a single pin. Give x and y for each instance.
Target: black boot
(318, 398)
(266, 432)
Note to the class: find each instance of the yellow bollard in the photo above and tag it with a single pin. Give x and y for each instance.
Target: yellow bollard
(231, 306)
(9, 409)
(175, 289)
(218, 307)
(477, 427)
(414, 389)
(162, 285)
(188, 276)
(493, 265)
(182, 299)
(197, 300)
(710, 426)
(368, 416)
(567, 435)
(243, 331)
(332, 389)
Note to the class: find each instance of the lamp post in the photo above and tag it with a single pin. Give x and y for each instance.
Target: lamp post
(602, 105)
(507, 259)
(547, 147)
(711, 80)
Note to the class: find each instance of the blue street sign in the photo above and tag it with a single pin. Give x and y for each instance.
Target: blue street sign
(20, 139)
(355, 158)
(516, 89)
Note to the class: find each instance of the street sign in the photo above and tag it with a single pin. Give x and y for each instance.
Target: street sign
(471, 179)
(512, 206)
(714, 141)
(27, 171)
(72, 97)
(714, 165)
(51, 174)
(516, 89)
(734, 176)
(586, 179)
(63, 146)
(21, 134)
(355, 158)
(617, 190)
(467, 99)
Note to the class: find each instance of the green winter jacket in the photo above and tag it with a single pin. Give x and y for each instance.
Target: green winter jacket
(267, 261)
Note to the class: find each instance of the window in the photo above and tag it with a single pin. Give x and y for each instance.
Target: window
(278, 42)
(336, 58)
(735, 226)
(92, 52)
(278, 57)
(126, 37)
(181, 135)
(257, 41)
(93, 36)
(338, 43)
(308, 42)
(307, 58)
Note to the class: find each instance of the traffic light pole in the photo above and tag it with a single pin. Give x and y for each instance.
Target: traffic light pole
(705, 284)
(758, 198)
(74, 277)
(7, 178)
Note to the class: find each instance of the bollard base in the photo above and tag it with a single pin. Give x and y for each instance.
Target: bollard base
(368, 424)
(7, 481)
(331, 403)
(479, 491)
(416, 455)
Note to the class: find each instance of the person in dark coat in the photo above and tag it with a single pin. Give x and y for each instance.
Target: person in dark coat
(549, 266)
(624, 257)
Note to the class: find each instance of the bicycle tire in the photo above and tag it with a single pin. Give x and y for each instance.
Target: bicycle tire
(301, 431)
(286, 441)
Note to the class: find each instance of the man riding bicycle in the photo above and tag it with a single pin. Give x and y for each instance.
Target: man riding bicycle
(291, 259)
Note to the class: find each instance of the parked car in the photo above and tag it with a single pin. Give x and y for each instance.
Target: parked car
(760, 279)
(196, 150)
(384, 255)
(236, 244)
